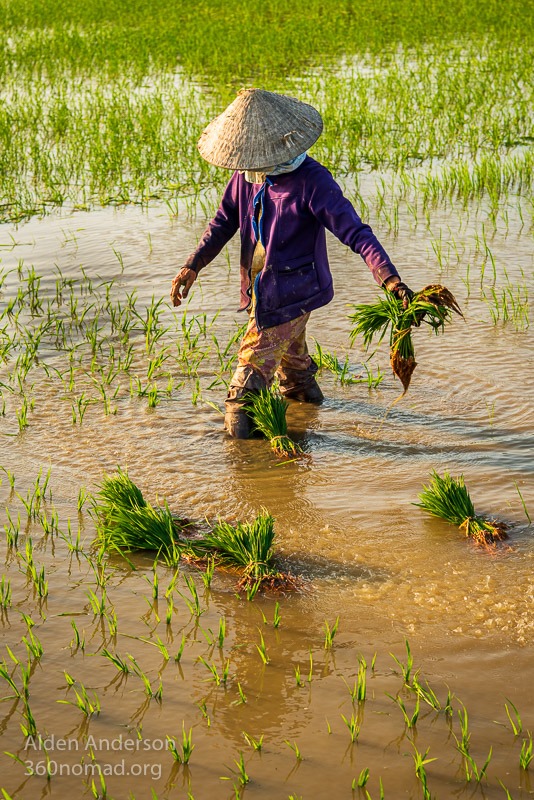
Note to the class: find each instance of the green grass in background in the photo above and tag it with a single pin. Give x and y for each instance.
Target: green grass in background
(229, 43)
(104, 102)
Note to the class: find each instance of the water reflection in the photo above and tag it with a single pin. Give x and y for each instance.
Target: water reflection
(345, 522)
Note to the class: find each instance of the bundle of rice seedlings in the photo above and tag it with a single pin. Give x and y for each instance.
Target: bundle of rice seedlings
(432, 305)
(126, 522)
(118, 491)
(248, 545)
(268, 410)
(448, 498)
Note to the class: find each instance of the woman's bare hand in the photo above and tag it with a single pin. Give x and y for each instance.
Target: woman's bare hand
(186, 278)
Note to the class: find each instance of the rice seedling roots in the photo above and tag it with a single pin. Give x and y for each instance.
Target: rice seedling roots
(280, 582)
(439, 295)
(483, 531)
(403, 368)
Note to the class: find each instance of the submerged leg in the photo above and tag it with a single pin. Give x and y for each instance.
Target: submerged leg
(245, 381)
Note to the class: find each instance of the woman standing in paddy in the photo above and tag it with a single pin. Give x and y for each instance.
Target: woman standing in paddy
(281, 201)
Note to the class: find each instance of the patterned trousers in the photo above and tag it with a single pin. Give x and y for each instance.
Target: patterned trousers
(281, 346)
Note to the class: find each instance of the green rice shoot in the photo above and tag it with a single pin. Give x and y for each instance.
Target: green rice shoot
(326, 360)
(268, 411)
(448, 498)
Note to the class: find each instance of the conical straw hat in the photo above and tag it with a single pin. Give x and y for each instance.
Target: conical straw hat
(260, 129)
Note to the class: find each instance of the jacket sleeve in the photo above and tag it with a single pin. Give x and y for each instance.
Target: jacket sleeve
(219, 231)
(328, 204)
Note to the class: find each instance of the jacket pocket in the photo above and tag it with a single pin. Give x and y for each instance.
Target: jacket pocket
(297, 280)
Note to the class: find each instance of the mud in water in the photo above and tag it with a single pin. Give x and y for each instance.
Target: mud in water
(345, 523)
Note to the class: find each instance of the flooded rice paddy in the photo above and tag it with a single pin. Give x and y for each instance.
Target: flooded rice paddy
(99, 372)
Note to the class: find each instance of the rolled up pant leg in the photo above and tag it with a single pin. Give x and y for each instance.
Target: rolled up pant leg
(296, 373)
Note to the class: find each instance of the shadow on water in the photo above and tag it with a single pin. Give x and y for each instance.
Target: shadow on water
(313, 567)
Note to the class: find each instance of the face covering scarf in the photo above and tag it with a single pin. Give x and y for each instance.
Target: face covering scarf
(255, 176)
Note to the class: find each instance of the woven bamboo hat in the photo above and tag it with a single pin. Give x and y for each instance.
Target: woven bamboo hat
(260, 129)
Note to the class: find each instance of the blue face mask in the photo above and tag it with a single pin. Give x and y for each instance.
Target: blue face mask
(258, 176)
(287, 166)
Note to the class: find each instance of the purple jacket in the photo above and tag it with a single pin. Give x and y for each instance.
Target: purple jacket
(297, 207)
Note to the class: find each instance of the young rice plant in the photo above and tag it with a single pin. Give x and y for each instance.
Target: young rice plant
(448, 498)
(268, 411)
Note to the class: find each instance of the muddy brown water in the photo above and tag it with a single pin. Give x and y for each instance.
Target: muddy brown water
(345, 522)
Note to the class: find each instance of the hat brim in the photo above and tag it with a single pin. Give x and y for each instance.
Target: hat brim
(258, 130)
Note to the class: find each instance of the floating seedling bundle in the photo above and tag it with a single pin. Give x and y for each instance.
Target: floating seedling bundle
(268, 411)
(432, 305)
(125, 522)
(448, 498)
(249, 546)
